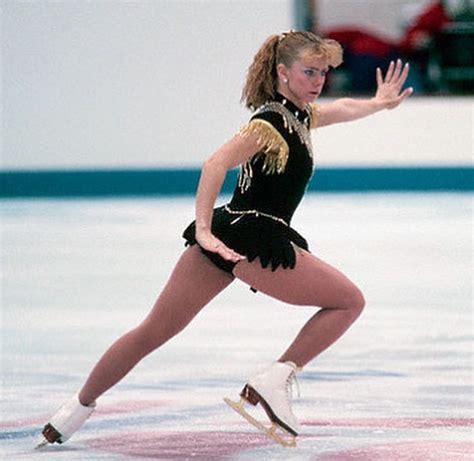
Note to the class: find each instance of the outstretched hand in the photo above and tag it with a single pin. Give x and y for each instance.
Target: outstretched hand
(210, 242)
(389, 89)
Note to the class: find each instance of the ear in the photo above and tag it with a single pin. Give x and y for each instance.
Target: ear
(282, 71)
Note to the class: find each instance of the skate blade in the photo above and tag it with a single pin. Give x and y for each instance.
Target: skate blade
(273, 431)
(43, 443)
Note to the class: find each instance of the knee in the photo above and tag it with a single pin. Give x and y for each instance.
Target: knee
(354, 301)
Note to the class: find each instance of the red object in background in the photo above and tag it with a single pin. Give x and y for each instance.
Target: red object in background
(360, 42)
(431, 20)
(428, 23)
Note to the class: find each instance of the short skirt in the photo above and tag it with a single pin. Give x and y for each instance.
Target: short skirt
(253, 235)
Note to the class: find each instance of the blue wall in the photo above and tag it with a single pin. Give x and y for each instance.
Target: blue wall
(99, 183)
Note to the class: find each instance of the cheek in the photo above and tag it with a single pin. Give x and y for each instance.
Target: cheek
(302, 80)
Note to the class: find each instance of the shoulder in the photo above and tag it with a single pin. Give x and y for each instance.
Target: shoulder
(266, 129)
(267, 125)
(271, 119)
(266, 135)
(314, 114)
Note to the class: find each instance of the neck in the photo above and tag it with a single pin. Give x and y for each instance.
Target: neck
(288, 94)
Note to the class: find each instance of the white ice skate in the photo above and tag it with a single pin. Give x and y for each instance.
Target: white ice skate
(67, 420)
(272, 389)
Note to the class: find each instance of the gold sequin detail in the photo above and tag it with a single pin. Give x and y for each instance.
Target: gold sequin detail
(290, 122)
(315, 115)
(272, 145)
(241, 213)
(271, 142)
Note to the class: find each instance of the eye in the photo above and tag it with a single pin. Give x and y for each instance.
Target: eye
(313, 72)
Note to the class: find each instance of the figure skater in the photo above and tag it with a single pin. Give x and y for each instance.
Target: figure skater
(250, 238)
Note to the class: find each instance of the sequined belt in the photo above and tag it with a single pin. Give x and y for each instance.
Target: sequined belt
(242, 213)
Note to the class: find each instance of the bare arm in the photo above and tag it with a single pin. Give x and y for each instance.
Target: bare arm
(387, 96)
(236, 151)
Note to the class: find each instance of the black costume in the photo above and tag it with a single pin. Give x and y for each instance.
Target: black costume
(256, 222)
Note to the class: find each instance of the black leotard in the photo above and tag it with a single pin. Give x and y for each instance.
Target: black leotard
(256, 222)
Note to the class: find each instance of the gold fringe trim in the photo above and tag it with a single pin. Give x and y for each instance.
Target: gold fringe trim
(245, 176)
(271, 143)
(315, 114)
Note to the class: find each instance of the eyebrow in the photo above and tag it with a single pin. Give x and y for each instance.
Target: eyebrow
(317, 68)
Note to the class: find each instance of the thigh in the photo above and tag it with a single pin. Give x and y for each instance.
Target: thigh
(312, 282)
(194, 282)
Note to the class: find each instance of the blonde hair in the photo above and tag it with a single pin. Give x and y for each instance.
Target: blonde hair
(261, 82)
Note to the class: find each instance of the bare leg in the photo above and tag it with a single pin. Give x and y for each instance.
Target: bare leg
(192, 285)
(311, 283)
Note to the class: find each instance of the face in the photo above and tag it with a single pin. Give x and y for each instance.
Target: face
(304, 79)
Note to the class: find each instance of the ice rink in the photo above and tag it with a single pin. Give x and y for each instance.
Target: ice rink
(76, 274)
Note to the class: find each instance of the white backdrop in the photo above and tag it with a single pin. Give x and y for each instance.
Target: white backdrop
(126, 83)
(153, 84)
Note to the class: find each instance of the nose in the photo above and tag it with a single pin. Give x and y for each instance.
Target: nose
(320, 79)
(319, 82)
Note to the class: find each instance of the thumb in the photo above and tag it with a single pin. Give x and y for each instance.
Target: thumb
(399, 99)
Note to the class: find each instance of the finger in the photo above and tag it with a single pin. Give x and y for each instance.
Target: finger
(233, 256)
(400, 74)
(220, 248)
(379, 77)
(403, 76)
(389, 74)
(406, 93)
(396, 71)
(398, 68)
(228, 254)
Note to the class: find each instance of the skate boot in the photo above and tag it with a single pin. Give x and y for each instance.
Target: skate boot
(271, 389)
(67, 420)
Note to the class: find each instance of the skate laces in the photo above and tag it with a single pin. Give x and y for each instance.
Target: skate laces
(290, 381)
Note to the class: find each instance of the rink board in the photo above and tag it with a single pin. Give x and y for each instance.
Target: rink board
(184, 181)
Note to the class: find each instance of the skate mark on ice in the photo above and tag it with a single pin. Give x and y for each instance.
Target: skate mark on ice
(22, 422)
(393, 423)
(184, 385)
(419, 450)
(350, 375)
(199, 445)
(130, 406)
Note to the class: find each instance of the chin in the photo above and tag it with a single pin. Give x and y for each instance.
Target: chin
(311, 98)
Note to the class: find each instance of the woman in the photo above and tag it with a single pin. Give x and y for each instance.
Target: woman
(250, 238)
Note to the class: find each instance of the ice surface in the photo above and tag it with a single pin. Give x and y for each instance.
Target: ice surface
(398, 386)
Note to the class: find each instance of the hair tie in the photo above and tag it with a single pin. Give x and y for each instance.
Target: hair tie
(283, 35)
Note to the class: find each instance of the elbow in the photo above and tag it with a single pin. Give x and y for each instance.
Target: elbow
(208, 163)
(214, 165)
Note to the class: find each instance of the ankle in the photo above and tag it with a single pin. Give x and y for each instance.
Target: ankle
(293, 364)
(84, 401)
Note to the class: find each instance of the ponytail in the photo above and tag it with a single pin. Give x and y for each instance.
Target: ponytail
(260, 85)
